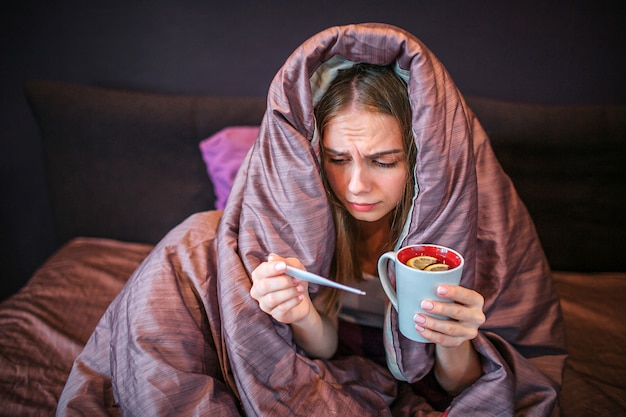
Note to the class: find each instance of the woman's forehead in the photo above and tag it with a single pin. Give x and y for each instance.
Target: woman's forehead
(370, 133)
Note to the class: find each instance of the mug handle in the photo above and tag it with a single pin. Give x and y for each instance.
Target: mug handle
(383, 262)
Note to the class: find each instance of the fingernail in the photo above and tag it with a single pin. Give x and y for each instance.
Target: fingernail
(280, 266)
(419, 328)
(442, 289)
(419, 319)
(427, 305)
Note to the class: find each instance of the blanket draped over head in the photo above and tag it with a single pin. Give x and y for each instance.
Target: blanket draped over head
(185, 337)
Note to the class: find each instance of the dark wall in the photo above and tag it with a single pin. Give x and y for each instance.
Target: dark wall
(533, 51)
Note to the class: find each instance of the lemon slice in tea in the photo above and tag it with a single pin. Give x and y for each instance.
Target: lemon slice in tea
(421, 262)
(437, 267)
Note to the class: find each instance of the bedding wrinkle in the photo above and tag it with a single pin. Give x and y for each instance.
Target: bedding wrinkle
(525, 277)
(34, 314)
(149, 377)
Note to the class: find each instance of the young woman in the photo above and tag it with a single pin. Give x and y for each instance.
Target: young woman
(368, 156)
(351, 160)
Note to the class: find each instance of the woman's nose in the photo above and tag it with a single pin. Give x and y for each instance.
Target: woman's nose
(360, 180)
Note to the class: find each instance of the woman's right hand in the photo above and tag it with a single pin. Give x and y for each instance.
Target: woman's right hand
(283, 297)
(287, 300)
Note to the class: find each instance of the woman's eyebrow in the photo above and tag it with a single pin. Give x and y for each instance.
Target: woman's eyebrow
(384, 153)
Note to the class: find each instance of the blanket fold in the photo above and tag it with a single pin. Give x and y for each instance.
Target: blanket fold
(184, 337)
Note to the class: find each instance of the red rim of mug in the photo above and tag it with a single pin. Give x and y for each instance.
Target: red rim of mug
(443, 254)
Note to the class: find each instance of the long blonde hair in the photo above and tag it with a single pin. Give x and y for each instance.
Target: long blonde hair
(377, 89)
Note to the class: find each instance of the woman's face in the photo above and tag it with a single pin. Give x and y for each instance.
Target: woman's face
(365, 162)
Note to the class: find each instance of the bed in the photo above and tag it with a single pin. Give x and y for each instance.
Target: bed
(125, 167)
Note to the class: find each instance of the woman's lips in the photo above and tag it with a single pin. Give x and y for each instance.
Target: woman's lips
(362, 207)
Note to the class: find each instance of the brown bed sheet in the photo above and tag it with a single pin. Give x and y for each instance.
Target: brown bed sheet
(44, 327)
(46, 324)
(594, 310)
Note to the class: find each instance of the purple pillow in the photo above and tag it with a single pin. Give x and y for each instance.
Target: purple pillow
(223, 153)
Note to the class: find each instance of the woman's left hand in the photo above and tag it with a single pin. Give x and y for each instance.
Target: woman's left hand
(457, 364)
(465, 312)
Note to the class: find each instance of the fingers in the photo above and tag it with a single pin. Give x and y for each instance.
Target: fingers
(270, 277)
(277, 303)
(465, 313)
(442, 336)
(461, 295)
(274, 266)
(277, 293)
(449, 333)
(466, 306)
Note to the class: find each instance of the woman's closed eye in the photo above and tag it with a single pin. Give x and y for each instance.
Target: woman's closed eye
(383, 164)
(376, 162)
(385, 159)
(338, 161)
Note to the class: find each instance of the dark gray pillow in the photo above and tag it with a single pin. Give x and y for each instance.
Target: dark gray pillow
(124, 164)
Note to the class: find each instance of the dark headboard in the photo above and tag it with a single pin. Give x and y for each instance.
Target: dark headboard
(568, 165)
(126, 165)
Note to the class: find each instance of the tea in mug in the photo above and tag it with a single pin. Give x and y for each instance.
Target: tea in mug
(427, 263)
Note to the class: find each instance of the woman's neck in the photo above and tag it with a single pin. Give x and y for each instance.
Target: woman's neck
(374, 241)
